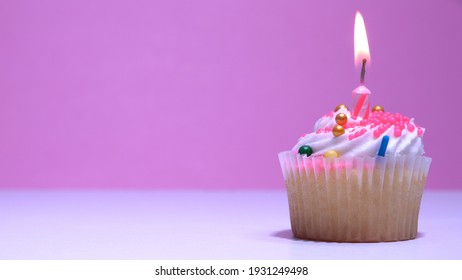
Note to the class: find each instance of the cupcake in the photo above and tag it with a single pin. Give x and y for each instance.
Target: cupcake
(356, 179)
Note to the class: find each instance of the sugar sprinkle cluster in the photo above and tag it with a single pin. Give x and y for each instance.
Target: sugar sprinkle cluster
(379, 121)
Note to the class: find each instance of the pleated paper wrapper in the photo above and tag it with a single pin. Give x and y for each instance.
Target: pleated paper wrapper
(354, 199)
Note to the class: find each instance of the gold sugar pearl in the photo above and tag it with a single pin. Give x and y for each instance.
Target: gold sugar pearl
(341, 119)
(341, 106)
(338, 130)
(330, 154)
(377, 108)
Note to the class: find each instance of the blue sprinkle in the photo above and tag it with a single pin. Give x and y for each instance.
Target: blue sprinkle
(383, 146)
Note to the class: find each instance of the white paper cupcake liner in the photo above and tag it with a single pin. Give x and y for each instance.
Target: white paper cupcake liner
(354, 199)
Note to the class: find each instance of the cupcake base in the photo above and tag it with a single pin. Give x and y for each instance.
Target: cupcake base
(354, 199)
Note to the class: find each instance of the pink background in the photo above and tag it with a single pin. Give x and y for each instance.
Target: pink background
(204, 94)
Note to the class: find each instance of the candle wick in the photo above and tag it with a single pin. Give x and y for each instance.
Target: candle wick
(363, 71)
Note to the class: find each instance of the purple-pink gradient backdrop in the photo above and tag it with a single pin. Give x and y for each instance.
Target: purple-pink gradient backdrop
(204, 94)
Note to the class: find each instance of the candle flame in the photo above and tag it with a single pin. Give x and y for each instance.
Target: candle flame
(361, 43)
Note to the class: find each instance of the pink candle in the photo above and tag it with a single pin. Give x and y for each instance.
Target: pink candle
(361, 94)
(361, 103)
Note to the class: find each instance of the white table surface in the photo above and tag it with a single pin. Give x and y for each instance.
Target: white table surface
(197, 225)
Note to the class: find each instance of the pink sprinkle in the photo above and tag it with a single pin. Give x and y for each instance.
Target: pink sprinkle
(410, 127)
(397, 132)
(419, 131)
(384, 127)
(351, 137)
(377, 133)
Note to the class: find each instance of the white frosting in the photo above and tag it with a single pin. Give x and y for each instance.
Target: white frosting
(409, 143)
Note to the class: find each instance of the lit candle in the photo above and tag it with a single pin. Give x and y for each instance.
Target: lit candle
(361, 94)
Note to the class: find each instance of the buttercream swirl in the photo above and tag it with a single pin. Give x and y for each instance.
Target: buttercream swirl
(362, 137)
